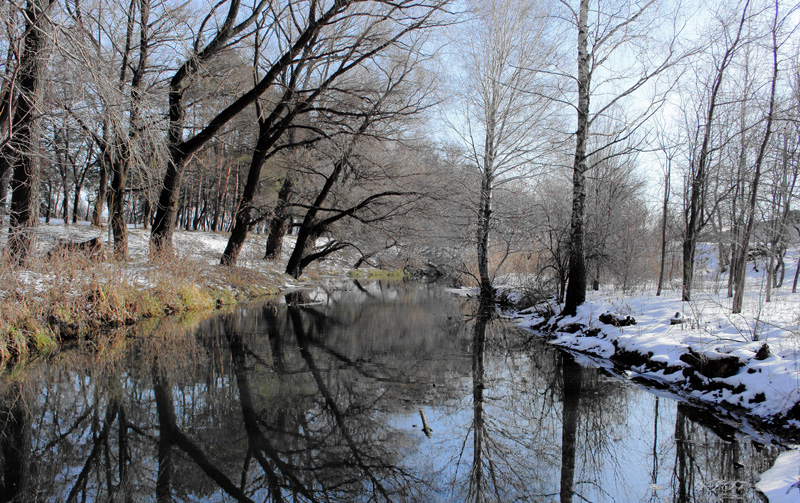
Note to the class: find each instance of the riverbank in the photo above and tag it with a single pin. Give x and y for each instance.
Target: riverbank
(72, 295)
(747, 366)
(748, 363)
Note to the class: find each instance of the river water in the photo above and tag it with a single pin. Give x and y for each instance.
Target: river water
(356, 392)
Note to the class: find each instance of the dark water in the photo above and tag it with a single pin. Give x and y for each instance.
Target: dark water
(321, 402)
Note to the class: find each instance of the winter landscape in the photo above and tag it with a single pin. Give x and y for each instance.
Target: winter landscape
(399, 250)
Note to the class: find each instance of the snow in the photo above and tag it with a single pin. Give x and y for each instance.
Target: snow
(781, 483)
(200, 250)
(771, 386)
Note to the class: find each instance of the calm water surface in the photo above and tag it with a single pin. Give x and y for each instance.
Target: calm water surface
(321, 401)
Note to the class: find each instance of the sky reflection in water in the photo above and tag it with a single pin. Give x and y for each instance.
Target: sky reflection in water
(320, 400)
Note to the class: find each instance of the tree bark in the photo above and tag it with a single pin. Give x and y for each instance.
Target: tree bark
(25, 141)
(576, 283)
(76, 204)
(117, 209)
(102, 189)
(277, 225)
(4, 179)
(485, 209)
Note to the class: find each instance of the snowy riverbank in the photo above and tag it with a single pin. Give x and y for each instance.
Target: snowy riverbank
(747, 365)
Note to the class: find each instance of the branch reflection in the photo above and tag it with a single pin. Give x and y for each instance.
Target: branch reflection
(318, 402)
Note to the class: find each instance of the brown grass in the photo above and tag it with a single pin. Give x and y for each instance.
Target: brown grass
(49, 302)
(516, 262)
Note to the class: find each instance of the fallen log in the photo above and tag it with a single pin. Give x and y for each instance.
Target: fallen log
(91, 249)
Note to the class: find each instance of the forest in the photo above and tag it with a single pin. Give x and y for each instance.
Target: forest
(555, 159)
(572, 143)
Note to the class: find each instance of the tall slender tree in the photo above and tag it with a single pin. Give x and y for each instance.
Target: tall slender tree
(695, 211)
(750, 214)
(502, 109)
(604, 32)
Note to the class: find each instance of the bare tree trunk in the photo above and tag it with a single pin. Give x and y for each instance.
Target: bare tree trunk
(197, 213)
(48, 210)
(782, 199)
(167, 207)
(770, 272)
(243, 215)
(485, 213)
(117, 210)
(25, 142)
(4, 178)
(65, 201)
(750, 222)
(664, 208)
(125, 147)
(102, 188)
(234, 199)
(576, 286)
(76, 203)
(277, 225)
(309, 231)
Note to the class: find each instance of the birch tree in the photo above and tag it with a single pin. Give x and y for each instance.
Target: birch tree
(613, 65)
(502, 109)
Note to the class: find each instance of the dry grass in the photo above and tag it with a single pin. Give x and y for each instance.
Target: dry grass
(49, 302)
(501, 264)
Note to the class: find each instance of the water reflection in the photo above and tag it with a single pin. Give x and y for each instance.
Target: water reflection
(318, 398)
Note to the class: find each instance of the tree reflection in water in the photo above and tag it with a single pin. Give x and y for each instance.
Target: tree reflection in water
(314, 400)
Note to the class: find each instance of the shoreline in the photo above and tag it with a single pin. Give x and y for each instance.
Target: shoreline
(751, 381)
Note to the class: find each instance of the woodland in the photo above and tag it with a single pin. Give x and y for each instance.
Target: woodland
(556, 158)
(575, 143)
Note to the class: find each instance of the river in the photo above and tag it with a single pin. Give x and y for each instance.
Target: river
(357, 392)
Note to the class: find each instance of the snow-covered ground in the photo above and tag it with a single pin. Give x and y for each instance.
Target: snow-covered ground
(764, 387)
(203, 248)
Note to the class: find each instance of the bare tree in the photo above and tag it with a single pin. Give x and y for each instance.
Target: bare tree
(502, 109)
(306, 19)
(328, 56)
(603, 33)
(23, 144)
(615, 214)
(782, 193)
(205, 47)
(669, 155)
(357, 182)
(696, 214)
(750, 214)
